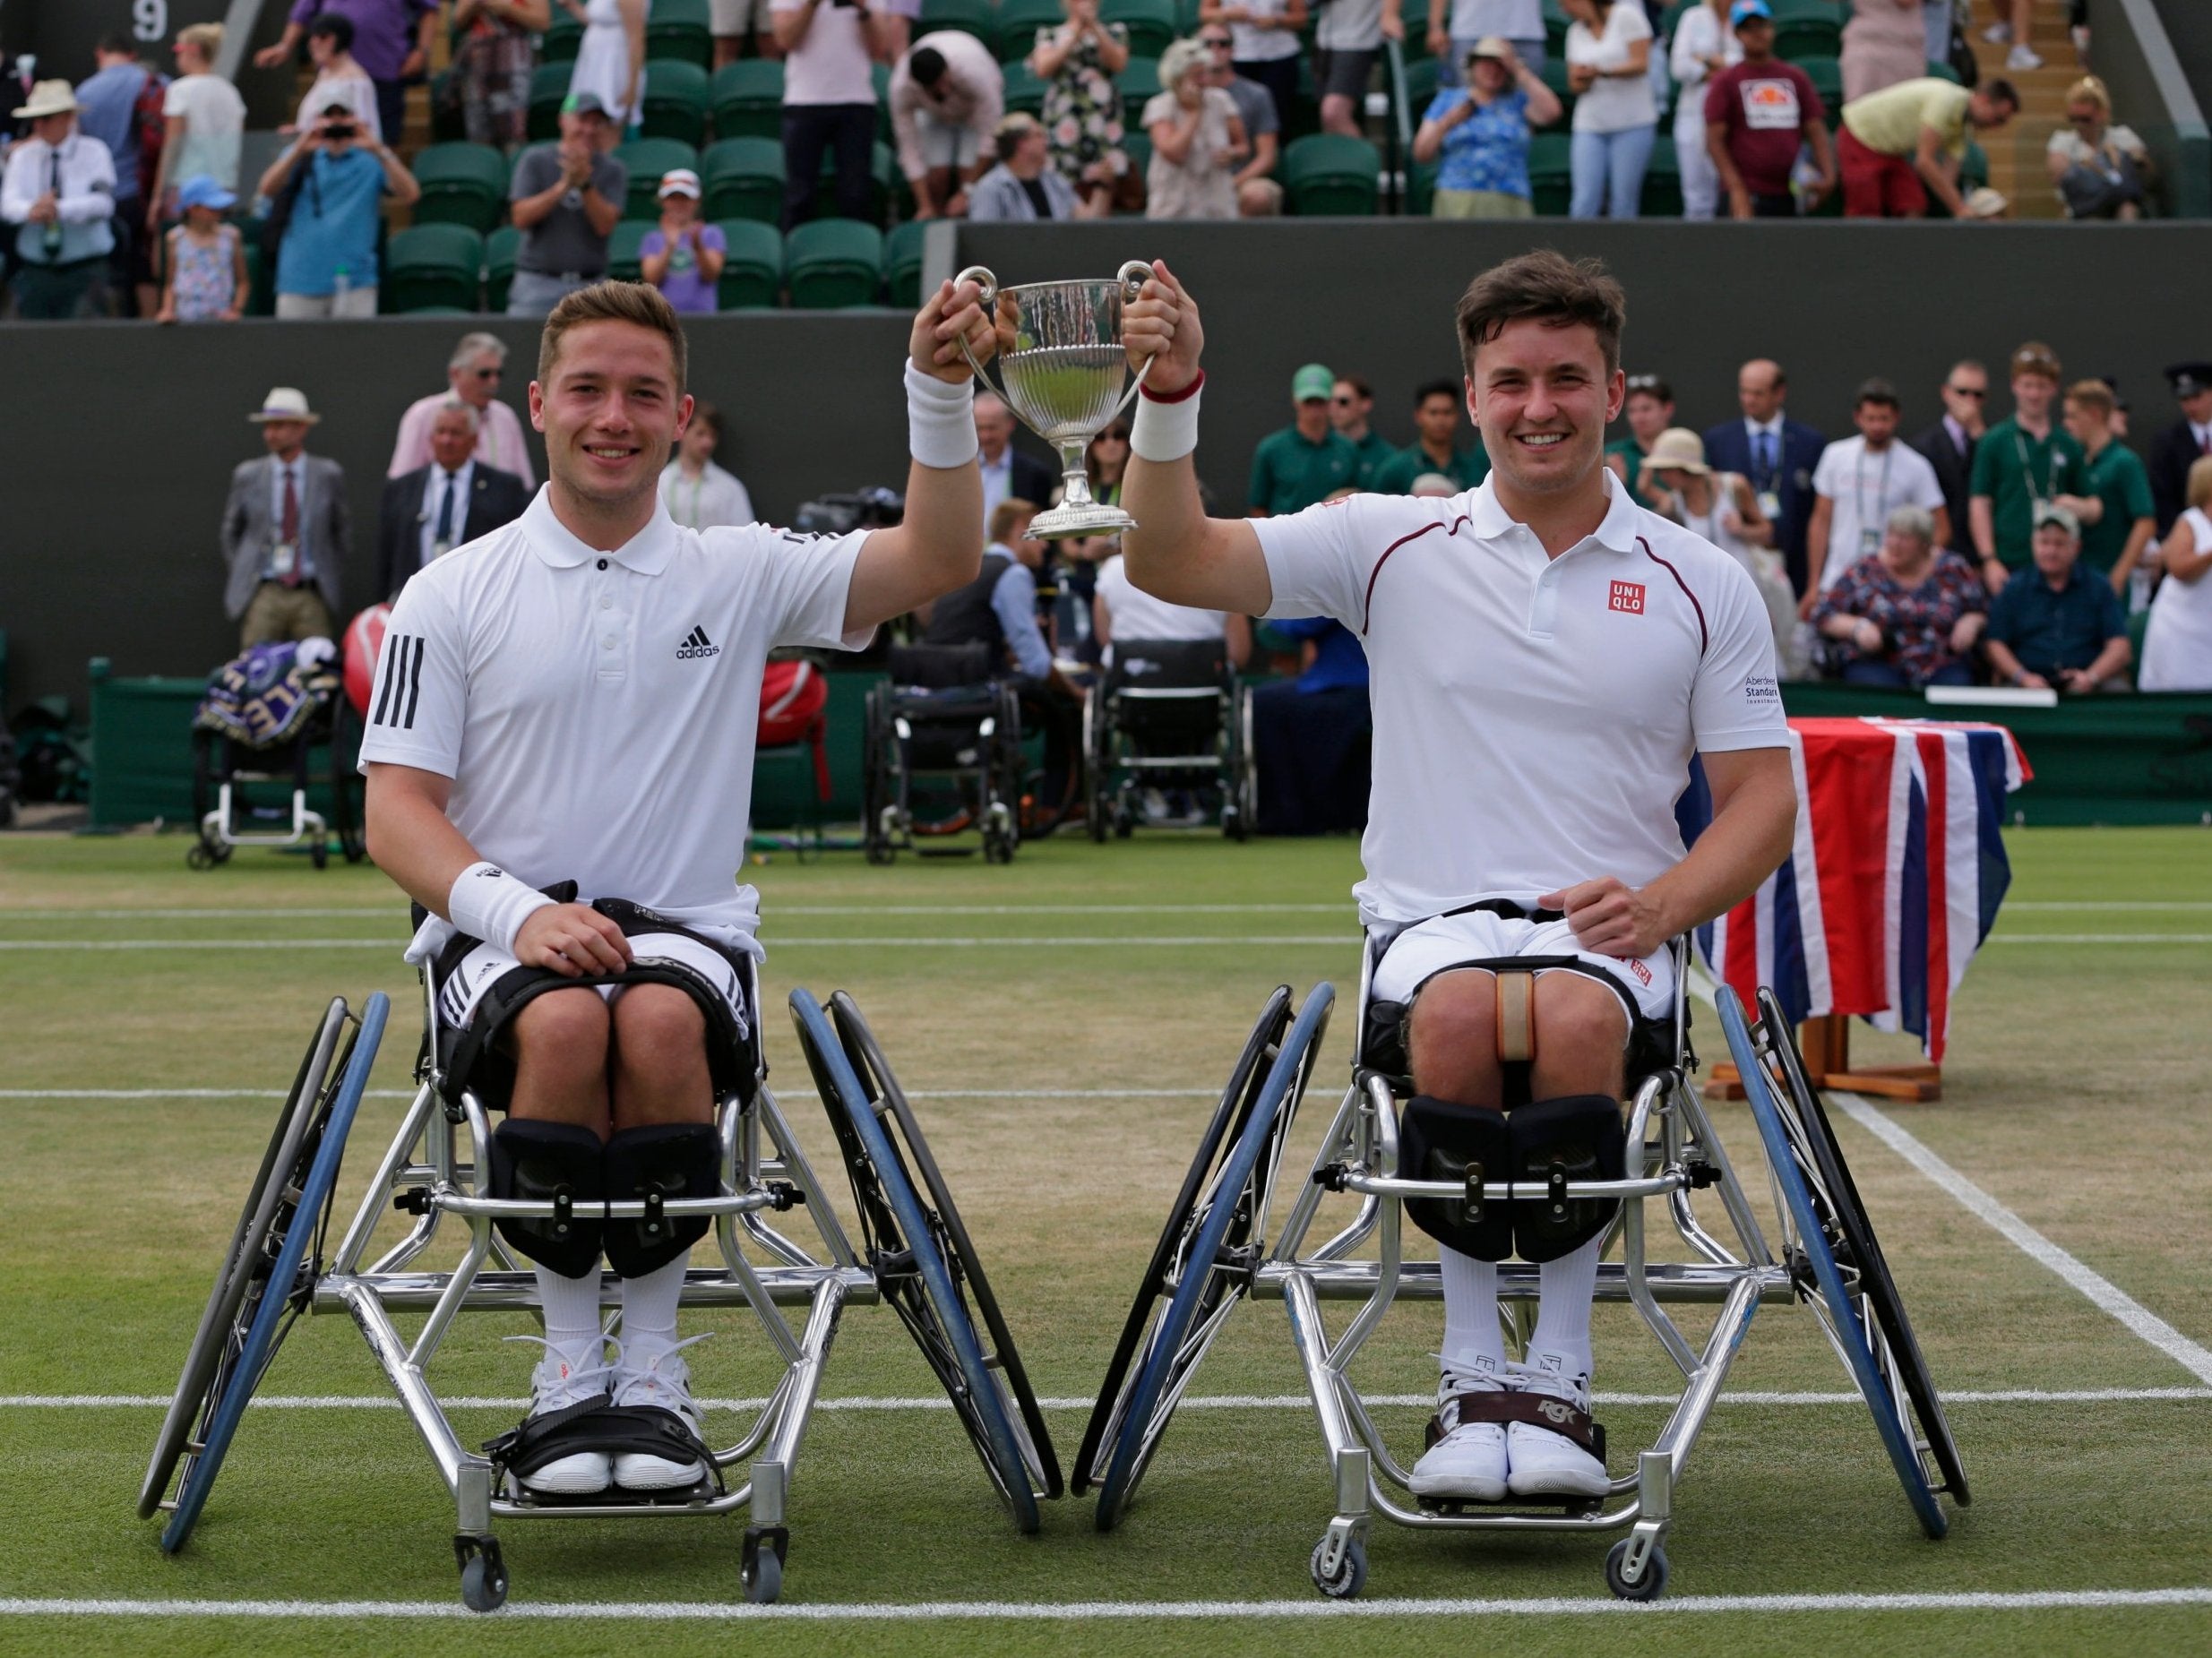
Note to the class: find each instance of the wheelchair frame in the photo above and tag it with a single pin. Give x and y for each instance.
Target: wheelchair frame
(221, 790)
(1113, 771)
(889, 773)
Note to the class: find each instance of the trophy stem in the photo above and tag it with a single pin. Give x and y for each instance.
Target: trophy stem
(1075, 475)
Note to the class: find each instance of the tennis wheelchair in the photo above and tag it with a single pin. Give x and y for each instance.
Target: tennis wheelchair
(942, 755)
(912, 1251)
(1223, 1242)
(1169, 715)
(265, 721)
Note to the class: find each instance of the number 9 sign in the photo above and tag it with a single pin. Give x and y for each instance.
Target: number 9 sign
(150, 19)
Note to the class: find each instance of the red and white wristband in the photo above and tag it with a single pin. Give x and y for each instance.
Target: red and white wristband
(1166, 427)
(489, 903)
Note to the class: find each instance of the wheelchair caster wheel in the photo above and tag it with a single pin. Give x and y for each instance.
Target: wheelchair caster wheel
(1649, 1587)
(320, 855)
(1351, 1574)
(483, 1574)
(199, 855)
(762, 1571)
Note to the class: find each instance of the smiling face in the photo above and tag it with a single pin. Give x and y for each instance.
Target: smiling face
(453, 438)
(1648, 414)
(610, 411)
(1542, 398)
(2032, 395)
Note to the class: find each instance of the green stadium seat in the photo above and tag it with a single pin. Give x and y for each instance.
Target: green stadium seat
(1555, 22)
(1551, 175)
(549, 86)
(886, 187)
(679, 29)
(1186, 16)
(1305, 103)
(1943, 71)
(623, 259)
(1151, 24)
(1421, 189)
(1662, 194)
(675, 102)
(647, 158)
(1019, 22)
(1804, 29)
(447, 125)
(751, 269)
(1421, 77)
(746, 98)
(902, 264)
(742, 178)
(1555, 77)
(431, 265)
(1826, 74)
(881, 74)
(1672, 18)
(462, 184)
(978, 18)
(499, 250)
(560, 42)
(1139, 84)
(1973, 174)
(1025, 91)
(834, 264)
(1325, 172)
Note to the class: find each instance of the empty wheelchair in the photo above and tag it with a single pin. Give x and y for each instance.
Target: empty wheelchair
(272, 727)
(778, 1250)
(942, 756)
(1236, 1231)
(1170, 716)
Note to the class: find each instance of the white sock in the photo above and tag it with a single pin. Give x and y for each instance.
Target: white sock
(1565, 1288)
(572, 1308)
(1473, 1344)
(648, 1307)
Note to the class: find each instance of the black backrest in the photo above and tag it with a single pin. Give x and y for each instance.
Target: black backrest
(939, 667)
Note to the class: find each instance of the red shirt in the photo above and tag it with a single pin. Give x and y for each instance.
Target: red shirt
(1765, 108)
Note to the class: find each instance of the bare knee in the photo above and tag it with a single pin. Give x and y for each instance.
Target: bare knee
(660, 1057)
(1451, 1038)
(1581, 1036)
(563, 1033)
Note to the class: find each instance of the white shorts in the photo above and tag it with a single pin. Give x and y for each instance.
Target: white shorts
(953, 144)
(483, 966)
(735, 19)
(1645, 987)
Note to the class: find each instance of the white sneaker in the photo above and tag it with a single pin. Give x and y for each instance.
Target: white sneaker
(1998, 34)
(1466, 1462)
(650, 1373)
(1545, 1462)
(2023, 57)
(555, 1384)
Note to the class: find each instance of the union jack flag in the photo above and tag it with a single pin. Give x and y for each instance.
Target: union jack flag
(1894, 881)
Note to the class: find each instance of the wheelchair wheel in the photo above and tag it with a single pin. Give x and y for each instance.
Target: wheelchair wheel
(1237, 793)
(905, 1251)
(1811, 1256)
(249, 1239)
(281, 1293)
(345, 791)
(876, 1080)
(1212, 1256)
(876, 842)
(1834, 1192)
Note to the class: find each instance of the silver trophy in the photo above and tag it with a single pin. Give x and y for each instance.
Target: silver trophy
(1062, 363)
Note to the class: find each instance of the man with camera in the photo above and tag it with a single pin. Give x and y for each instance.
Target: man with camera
(327, 191)
(828, 97)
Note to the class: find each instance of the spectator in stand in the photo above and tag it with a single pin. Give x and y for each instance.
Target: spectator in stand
(2102, 170)
(1860, 482)
(699, 494)
(1083, 111)
(1703, 46)
(429, 512)
(1433, 486)
(326, 264)
(680, 255)
(495, 51)
(1258, 195)
(1351, 402)
(1775, 454)
(1347, 42)
(286, 533)
(338, 78)
(2177, 646)
(1264, 45)
(472, 375)
(1723, 508)
(1758, 111)
(2111, 499)
(1121, 609)
(2056, 625)
(1907, 617)
(1948, 446)
(1481, 131)
(203, 120)
(1198, 139)
(59, 188)
(120, 104)
(1649, 402)
(1308, 461)
(829, 98)
(610, 58)
(732, 20)
(2178, 449)
(205, 268)
(2022, 465)
(1025, 185)
(1435, 447)
(1312, 737)
(565, 199)
(947, 98)
(1455, 26)
(1906, 141)
(1006, 470)
(1885, 42)
(2011, 28)
(1616, 117)
(391, 39)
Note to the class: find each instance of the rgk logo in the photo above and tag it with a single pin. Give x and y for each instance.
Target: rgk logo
(1627, 597)
(1556, 1410)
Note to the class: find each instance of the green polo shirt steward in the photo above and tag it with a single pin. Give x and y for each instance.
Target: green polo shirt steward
(2115, 475)
(1289, 474)
(1467, 468)
(2015, 471)
(1631, 455)
(1375, 452)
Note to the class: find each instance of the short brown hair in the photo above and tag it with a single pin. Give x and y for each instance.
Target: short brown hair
(2092, 394)
(637, 303)
(1547, 287)
(1009, 513)
(2035, 357)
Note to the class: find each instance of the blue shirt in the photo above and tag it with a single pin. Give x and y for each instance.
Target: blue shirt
(1338, 659)
(334, 221)
(1014, 601)
(1488, 150)
(104, 106)
(2048, 630)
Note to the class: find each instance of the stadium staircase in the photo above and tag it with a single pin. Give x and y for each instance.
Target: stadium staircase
(2016, 163)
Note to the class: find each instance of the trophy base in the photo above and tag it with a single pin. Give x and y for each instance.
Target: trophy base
(1090, 519)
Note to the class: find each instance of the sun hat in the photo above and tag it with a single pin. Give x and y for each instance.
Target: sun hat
(1680, 449)
(48, 98)
(284, 403)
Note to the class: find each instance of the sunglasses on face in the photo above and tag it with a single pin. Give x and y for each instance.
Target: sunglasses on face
(1972, 392)
(484, 374)
(1215, 45)
(1116, 435)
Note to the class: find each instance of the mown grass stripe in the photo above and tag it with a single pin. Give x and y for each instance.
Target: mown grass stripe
(1224, 940)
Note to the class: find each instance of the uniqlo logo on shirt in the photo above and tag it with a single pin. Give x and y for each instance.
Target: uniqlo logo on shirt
(1628, 596)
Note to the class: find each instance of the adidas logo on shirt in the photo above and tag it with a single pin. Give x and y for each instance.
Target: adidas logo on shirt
(697, 644)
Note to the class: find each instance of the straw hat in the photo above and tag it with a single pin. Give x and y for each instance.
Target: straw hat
(48, 98)
(1677, 448)
(284, 403)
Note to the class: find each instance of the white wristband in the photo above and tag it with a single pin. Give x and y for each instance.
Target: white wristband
(941, 420)
(1165, 428)
(489, 903)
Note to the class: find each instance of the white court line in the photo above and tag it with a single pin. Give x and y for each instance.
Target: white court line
(387, 911)
(2099, 1290)
(1223, 941)
(2097, 905)
(2099, 938)
(1083, 1612)
(409, 1094)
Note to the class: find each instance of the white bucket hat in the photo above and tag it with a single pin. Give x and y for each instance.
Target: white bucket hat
(284, 403)
(1678, 448)
(48, 98)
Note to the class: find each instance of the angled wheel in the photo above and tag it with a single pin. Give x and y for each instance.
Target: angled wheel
(1213, 1243)
(284, 1274)
(1836, 1196)
(1811, 1253)
(907, 1254)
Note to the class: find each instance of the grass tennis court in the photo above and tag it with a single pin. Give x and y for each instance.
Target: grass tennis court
(1063, 1024)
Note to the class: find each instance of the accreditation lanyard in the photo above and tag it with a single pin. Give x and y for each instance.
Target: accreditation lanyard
(2037, 493)
(1870, 524)
(690, 520)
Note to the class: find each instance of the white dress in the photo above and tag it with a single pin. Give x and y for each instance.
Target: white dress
(603, 62)
(1765, 567)
(2177, 646)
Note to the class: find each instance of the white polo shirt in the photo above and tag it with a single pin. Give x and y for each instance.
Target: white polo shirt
(1131, 613)
(596, 712)
(1865, 489)
(1534, 717)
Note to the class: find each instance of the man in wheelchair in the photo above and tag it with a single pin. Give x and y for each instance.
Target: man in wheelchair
(1547, 659)
(546, 706)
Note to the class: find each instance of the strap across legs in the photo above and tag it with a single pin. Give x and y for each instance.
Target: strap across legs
(1516, 1014)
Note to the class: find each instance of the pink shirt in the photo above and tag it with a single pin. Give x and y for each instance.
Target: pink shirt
(499, 440)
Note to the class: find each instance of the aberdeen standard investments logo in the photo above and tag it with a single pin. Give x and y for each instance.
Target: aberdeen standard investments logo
(697, 644)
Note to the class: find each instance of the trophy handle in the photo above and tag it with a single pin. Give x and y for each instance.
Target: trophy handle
(980, 275)
(1133, 276)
